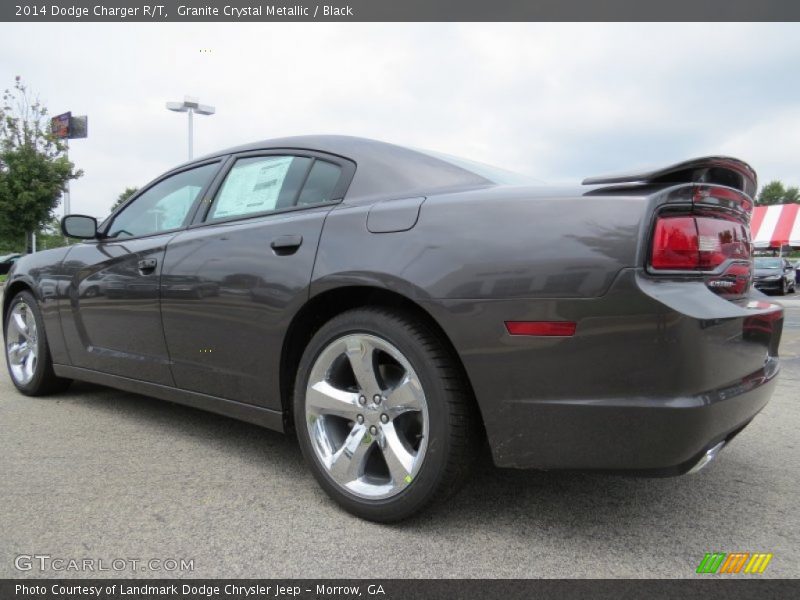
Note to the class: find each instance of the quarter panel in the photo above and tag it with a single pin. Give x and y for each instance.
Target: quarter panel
(499, 243)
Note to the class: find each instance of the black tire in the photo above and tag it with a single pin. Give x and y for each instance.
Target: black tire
(454, 434)
(44, 380)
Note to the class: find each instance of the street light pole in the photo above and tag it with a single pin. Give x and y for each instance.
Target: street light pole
(66, 188)
(191, 134)
(191, 105)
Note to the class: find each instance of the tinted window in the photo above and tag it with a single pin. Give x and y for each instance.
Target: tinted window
(260, 184)
(164, 206)
(320, 184)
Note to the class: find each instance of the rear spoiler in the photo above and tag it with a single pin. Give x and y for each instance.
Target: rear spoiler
(721, 170)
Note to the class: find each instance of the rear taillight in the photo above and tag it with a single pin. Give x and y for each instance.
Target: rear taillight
(697, 243)
(675, 244)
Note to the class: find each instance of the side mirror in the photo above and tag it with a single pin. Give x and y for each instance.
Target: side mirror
(79, 226)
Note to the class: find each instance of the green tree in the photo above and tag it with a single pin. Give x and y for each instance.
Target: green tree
(34, 168)
(776, 193)
(129, 191)
(50, 236)
(11, 244)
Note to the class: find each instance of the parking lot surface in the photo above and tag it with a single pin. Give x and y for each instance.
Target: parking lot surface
(101, 474)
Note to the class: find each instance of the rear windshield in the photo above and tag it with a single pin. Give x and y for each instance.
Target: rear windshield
(493, 174)
(768, 263)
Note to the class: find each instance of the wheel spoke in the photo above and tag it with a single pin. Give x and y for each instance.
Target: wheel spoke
(399, 460)
(21, 323)
(324, 399)
(407, 396)
(29, 364)
(360, 353)
(347, 464)
(15, 352)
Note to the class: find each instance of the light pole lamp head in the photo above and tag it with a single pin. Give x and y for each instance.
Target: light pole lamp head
(177, 106)
(191, 103)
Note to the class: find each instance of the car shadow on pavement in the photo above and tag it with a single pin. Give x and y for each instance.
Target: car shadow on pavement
(178, 423)
(515, 501)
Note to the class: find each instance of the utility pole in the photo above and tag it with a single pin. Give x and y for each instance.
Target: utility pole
(65, 195)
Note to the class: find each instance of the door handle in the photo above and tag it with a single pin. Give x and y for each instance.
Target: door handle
(147, 265)
(286, 244)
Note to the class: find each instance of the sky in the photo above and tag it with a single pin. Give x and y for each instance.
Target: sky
(557, 101)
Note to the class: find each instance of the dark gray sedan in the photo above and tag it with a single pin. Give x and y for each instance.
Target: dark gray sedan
(397, 308)
(774, 275)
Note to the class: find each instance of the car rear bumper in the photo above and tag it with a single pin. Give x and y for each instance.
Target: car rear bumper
(644, 436)
(656, 374)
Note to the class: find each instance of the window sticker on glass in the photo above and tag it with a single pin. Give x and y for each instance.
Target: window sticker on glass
(252, 186)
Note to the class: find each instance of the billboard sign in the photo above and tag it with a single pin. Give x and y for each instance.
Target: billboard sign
(65, 126)
(59, 125)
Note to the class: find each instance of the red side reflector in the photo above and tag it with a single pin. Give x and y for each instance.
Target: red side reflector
(548, 328)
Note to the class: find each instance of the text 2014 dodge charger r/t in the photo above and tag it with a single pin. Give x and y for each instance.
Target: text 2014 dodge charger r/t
(395, 308)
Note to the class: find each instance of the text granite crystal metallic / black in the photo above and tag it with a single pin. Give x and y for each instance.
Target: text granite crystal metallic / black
(397, 307)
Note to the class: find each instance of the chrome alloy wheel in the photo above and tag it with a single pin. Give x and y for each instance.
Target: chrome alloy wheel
(22, 348)
(367, 416)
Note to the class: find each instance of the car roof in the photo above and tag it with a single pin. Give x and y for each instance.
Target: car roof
(382, 169)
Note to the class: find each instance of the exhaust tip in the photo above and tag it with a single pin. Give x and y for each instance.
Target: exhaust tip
(709, 456)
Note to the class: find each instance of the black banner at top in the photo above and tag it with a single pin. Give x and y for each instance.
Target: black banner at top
(398, 10)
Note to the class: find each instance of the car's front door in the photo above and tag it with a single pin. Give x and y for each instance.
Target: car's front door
(111, 316)
(232, 281)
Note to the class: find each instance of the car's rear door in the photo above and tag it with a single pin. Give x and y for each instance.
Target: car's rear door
(232, 281)
(112, 316)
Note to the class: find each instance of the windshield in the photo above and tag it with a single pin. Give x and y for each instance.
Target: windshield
(493, 174)
(768, 263)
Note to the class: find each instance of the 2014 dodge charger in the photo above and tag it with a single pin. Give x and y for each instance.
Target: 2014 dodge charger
(396, 308)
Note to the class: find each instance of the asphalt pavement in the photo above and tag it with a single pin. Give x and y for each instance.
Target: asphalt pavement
(104, 475)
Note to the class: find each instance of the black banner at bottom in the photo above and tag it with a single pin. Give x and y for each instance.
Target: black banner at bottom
(393, 589)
